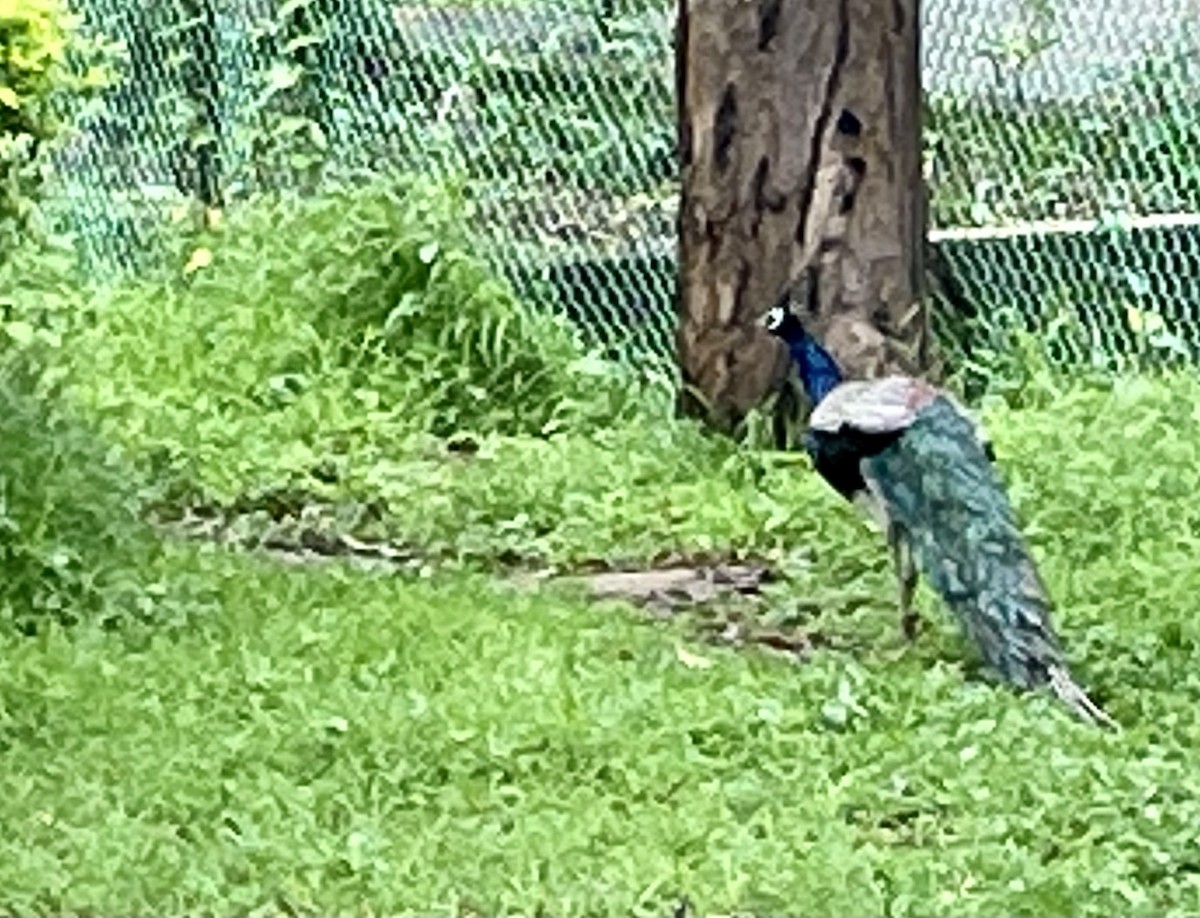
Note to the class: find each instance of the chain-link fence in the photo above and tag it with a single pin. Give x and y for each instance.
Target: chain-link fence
(559, 116)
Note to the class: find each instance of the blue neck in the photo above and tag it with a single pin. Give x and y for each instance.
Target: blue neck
(819, 372)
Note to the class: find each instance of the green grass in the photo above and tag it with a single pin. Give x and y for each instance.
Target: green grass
(264, 738)
(70, 532)
(332, 741)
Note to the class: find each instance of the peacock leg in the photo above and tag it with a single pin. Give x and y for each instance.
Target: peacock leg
(906, 580)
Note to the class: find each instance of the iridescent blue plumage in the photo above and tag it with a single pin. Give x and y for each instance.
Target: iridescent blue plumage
(818, 370)
(918, 461)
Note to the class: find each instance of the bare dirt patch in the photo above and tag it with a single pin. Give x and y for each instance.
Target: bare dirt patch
(721, 597)
(723, 601)
(669, 588)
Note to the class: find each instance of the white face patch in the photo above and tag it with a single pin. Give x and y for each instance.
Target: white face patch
(774, 318)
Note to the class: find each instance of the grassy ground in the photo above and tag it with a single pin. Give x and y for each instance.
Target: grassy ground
(256, 737)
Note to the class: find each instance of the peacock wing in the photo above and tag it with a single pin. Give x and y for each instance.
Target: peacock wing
(887, 405)
(873, 406)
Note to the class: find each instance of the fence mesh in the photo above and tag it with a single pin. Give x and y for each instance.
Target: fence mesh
(559, 117)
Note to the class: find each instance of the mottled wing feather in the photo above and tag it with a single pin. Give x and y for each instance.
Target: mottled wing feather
(873, 406)
(884, 405)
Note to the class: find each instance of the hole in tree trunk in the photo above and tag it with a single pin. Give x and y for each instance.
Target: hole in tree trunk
(848, 123)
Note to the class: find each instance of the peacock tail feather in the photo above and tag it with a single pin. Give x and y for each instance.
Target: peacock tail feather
(938, 485)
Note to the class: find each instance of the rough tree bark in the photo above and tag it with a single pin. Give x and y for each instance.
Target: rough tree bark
(799, 140)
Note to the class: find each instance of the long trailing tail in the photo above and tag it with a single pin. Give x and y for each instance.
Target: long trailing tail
(940, 488)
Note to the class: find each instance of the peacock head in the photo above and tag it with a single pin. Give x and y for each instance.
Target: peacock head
(781, 322)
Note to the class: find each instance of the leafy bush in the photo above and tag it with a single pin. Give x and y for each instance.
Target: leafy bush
(49, 66)
(70, 537)
(543, 97)
(1129, 147)
(362, 301)
(384, 273)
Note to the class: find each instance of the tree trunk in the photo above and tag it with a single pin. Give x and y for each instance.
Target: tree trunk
(799, 140)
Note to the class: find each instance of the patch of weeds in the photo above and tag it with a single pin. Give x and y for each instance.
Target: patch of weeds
(637, 494)
(425, 744)
(71, 542)
(369, 295)
(302, 334)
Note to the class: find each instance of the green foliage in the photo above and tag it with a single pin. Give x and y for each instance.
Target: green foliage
(71, 541)
(320, 738)
(1129, 148)
(290, 143)
(300, 321)
(341, 741)
(182, 68)
(49, 68)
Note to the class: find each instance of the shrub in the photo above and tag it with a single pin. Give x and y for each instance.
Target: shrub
(49, 67)
(1130, 145)
(379, 279)
(71, 541)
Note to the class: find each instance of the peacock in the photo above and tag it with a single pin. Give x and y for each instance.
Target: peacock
(912, 457)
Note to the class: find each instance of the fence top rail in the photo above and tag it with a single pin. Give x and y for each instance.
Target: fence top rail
(1065, 227)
